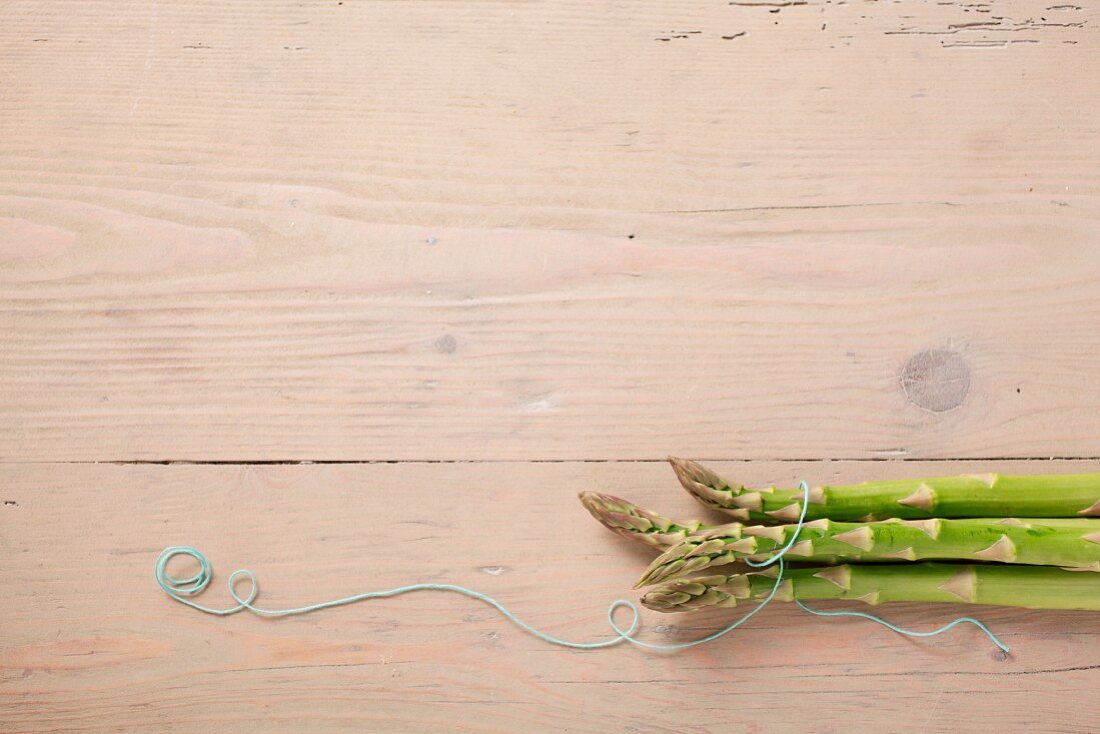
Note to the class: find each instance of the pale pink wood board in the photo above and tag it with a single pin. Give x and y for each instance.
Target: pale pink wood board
(89, 642)
(538, 240)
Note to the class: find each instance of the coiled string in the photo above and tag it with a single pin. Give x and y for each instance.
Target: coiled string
(181, 588)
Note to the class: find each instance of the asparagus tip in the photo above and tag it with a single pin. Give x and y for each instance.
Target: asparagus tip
(692, 472)
(707, 487)
(696, 593)
(657, 571)
(652, 575)
(680, 560)
(603, 505)
(631, 521)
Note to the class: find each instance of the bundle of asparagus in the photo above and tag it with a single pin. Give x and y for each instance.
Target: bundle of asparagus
(1025, 541)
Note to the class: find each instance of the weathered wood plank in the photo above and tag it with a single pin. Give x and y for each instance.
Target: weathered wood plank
(733, 349)
(89, 642)
(481, 230)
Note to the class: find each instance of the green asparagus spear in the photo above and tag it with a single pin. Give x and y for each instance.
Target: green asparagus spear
(978, 495)
(1032, 587)
(631, 521)
(1039, 542)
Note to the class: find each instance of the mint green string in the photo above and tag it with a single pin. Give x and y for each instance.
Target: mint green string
(180, 588)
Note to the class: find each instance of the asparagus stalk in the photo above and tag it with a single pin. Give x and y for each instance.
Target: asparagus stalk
(631, 521)
(1032, 587)
(979, 495)
(1039, 542)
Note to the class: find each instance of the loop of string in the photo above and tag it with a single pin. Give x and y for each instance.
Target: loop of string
(181, 588)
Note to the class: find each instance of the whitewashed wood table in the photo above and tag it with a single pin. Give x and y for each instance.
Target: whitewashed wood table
(355, 294)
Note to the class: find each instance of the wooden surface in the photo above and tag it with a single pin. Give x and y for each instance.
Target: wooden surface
(484, 255)
(88, 639)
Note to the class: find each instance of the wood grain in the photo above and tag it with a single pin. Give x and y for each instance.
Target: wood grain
(89, 642)
(572, 230)
(483, 239)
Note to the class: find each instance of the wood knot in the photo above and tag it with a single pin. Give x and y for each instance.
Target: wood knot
(936, 380)
(446, 344)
